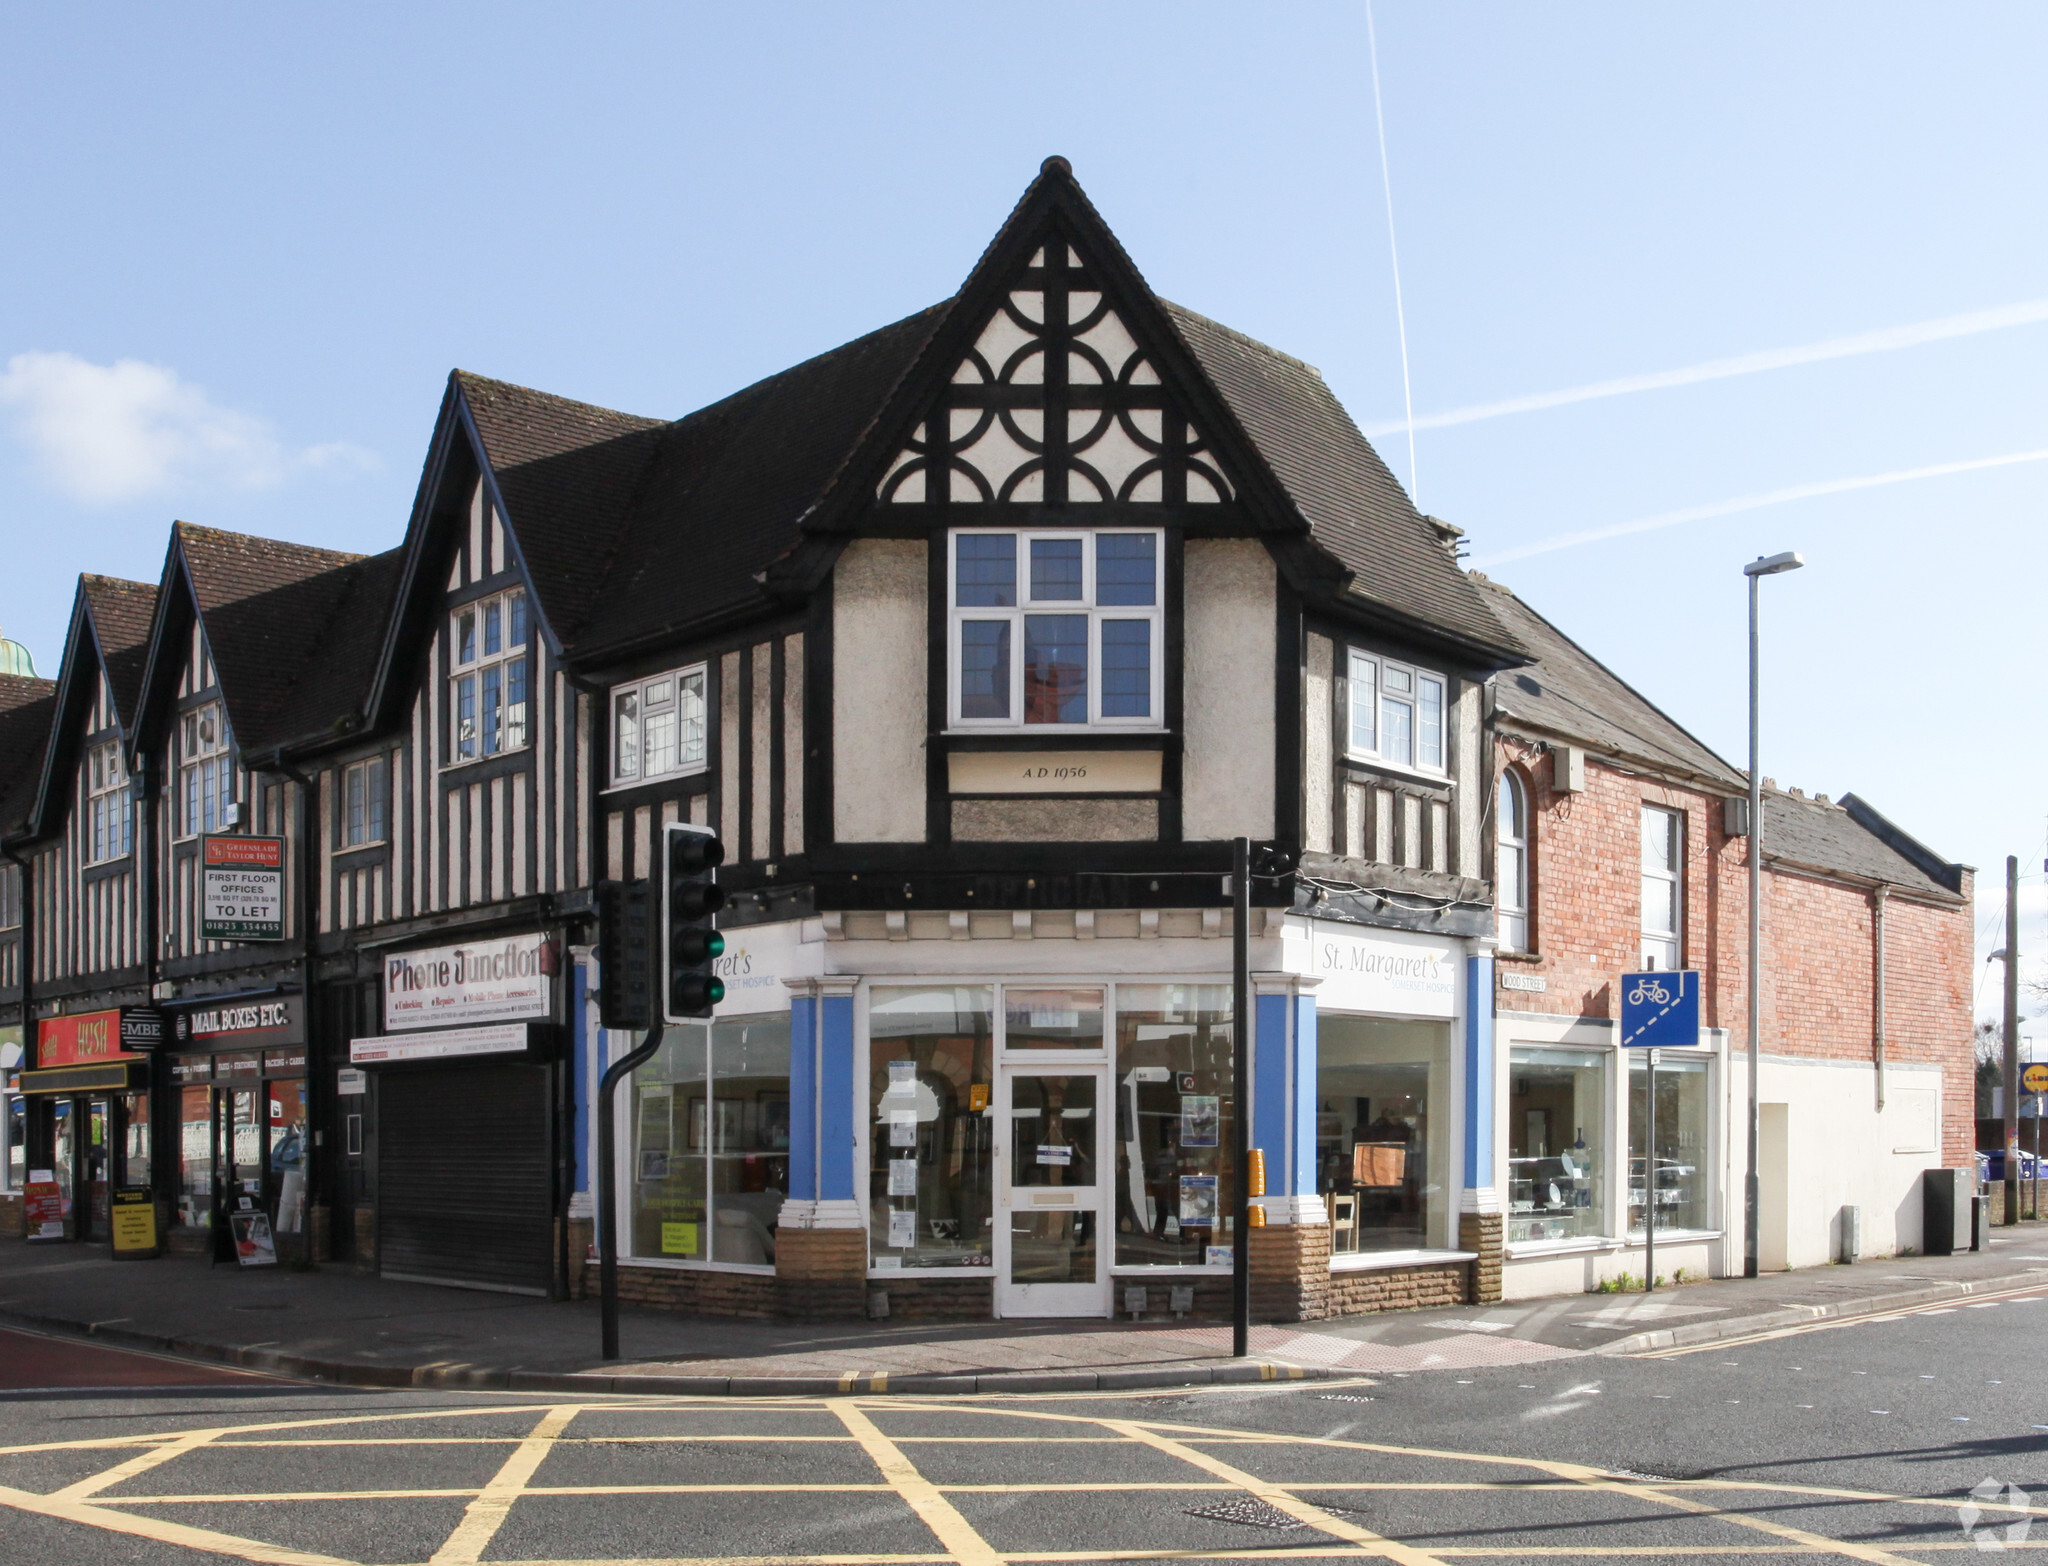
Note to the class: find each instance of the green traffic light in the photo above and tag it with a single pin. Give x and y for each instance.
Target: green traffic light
(714, 946)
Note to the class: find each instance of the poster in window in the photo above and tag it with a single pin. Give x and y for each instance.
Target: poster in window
(1201, 1117)
(903, 1177)
(653, 1165)
(253, 1244)
(1379, 1164)
(903, 1229)
(903, 1128)
(1197, 1201)
(679, 1239)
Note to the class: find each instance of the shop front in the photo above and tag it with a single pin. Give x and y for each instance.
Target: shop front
(82, 1117)
(456, 1108)
(236, 1072)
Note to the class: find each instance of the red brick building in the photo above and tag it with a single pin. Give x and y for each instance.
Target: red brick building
(1621, 844)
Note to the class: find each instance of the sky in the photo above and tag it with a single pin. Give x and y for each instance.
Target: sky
(1679, 286)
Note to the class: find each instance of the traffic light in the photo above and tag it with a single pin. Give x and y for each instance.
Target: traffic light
(690, 857)
(625, 955)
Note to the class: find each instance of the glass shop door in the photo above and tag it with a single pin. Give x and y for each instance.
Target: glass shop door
(1051, 1259)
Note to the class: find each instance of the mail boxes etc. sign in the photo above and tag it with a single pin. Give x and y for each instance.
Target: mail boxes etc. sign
(90, 1037)
(241, 888)
(494, 980)
(237, 1021)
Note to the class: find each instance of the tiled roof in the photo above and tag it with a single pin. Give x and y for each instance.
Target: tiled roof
(327, 694)
(121, 615)
(266, 605)
(1840, 837)
(27, 707)
(1570, 693)
(1354, 507)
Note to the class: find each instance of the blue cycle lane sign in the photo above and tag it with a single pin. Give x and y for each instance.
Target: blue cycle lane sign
(1660, 1010)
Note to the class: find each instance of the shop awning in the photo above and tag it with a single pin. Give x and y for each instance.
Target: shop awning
(112, 1076)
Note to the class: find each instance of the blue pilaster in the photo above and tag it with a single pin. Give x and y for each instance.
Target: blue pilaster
(837, 1102)
(1271, 1105)
(583, 979)
(803, 1098)
(1301, 1160)
(1478, 1084)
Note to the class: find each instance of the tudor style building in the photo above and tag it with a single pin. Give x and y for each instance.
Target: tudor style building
(976, 640)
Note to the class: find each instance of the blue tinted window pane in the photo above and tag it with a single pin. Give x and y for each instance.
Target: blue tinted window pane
(985, 669)
(1056, 570)
(1127, 668)
(516, 607)
(1397, 731)
(1056, 668)
(490, 629)
(493, 713)
(1429, 732)
(986, 570)
(1126, 570)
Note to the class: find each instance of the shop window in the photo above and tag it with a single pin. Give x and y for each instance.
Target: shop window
(13, 1113)
(1397, 712)
(287, 1121)
(1663, 876)
(487, 684)
(206, 770)
(1511, 864)
(1557, 1144)
(195, 1157)
(1055, 629)
(364, 794)
(1174, 1113)
(710, 1153)
(931, 1104)
(1679, 1173)
(658, 727)
(1375, 1082)
(134, 1165)
(1052, 1019)
(110, 805)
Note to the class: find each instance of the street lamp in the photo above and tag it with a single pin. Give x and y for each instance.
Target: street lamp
(1756, 569)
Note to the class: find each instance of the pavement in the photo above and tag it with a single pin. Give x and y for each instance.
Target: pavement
(337, 1326)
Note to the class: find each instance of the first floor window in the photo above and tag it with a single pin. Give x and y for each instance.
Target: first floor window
(364, 793)
(110, 803)
(1373, 1144)
(931, 1177)
(658, 727)
(1055, 629)
(1557, 1143)
(710, 1153)
(1671, 1178)
(1397, 712)
(206, 769)
(1662, 883)
(10, 896)
(1511, 864)
(488, 659)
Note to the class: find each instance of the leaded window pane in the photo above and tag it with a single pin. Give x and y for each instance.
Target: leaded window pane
(1056, 668)
(1056, 570)
(1127, 668)
(1126, 569)
(985, 669)
(985, 570)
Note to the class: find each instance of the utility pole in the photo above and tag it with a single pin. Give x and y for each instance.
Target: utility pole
(2012, 1038)
(1240, 1087)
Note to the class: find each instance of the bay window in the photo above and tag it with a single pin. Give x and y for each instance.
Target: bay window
(1054, 630)
(487, 686)
(658, 727)
(110, 804)
(206, 770)
(1397, 712)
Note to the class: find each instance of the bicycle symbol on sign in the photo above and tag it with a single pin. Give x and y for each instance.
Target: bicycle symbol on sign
(1649, 991)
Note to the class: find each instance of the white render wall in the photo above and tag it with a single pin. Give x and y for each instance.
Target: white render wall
(1227, 704)
(879, 593)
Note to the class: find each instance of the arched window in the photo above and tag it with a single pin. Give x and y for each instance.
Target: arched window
(1511, 865)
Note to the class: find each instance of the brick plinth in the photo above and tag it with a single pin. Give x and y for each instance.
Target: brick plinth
(1397, 1288)
(821, 1274)
(1290, 1272)
(13, 1217)
(582, 1279)
(696, 1291)
(366, 1237)
(1481, 1232)
(968, 1294)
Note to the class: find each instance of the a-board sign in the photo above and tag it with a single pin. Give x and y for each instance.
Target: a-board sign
(43, 1205)
(132, 1222)
(253, 1244)
(1660, 1010)
(241, 888)
(2034, 1078)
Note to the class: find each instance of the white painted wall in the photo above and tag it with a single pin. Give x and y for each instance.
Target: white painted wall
(879, 592)
(1227, 702)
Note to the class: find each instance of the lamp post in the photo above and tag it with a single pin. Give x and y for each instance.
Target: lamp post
(1755, 570)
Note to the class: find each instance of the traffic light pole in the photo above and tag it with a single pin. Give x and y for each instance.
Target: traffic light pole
(607, 1187)
(1241, 1088)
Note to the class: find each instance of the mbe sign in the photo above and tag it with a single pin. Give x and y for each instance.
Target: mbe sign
(1660, 1010)
(241, 888)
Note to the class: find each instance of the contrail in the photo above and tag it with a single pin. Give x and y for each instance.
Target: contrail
(1775, 497)
(1883, 340)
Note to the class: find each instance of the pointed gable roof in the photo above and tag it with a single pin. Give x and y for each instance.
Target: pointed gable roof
(108, 638)
(28, 707)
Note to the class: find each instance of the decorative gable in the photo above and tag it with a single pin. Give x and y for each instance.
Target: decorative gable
(1055, 404)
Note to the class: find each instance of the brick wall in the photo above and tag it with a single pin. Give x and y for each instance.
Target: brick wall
(1397, 1288)
(695, 1291)
(821, 1274)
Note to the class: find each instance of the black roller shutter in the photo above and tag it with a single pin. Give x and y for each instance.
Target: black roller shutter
(463, 1193)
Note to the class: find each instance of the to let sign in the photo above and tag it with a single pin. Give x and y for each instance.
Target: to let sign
(242, 888)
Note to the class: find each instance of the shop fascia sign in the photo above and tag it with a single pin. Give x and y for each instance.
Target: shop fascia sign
(86, 1038)
(231, 1022)
(498, 979)
(1385, 971)
(758, 957)
(447, 1044)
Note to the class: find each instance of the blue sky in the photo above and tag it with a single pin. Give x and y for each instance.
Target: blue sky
(246, 247)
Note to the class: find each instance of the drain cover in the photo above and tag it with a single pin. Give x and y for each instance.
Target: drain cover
(1257, 1514)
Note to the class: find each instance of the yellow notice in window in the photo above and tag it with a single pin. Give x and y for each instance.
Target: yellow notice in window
(679, 1239)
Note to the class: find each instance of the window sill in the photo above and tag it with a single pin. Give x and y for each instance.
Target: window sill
(1168, 1270)
(466, 762)
(1578, 1245)
(678, 1264)
(655, 782)
(875, 1273)
(1674, 1237)
(1396, 769)
(357, 848)
(1056, 731)
(1374, 1261)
